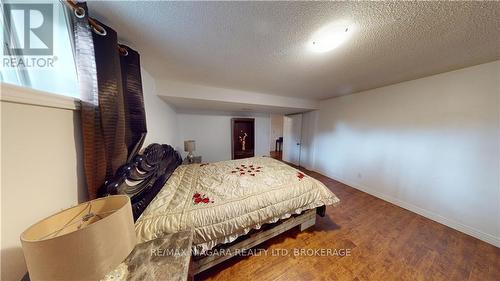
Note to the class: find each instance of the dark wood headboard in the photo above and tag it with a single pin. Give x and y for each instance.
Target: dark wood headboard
(143, 177)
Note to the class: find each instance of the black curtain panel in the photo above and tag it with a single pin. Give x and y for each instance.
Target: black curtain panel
(135, 116)
(112, 109)
(92, 140)
(110, 92)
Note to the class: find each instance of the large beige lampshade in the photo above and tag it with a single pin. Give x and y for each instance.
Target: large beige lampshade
(81, 243)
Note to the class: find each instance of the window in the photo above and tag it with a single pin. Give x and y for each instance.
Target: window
(37, 50)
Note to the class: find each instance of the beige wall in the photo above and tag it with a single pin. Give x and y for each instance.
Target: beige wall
(40, 173)
(430, 145)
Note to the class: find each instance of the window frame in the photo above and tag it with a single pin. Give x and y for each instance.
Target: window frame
(29, 96)
(23, 75)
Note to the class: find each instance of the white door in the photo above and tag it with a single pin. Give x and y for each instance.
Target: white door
(292, 132)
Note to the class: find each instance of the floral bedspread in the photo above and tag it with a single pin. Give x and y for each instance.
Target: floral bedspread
(223, 200)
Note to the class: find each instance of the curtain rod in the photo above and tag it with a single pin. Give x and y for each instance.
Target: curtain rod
(80, 13)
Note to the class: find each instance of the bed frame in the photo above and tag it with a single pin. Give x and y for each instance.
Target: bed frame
(147, 173)
(254, 238)
(143, 177)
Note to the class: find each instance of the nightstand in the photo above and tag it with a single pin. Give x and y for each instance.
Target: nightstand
(196, 159)
(165, 258)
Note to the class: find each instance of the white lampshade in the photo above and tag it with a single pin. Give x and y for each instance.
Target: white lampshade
(189, 145)
(81, 243)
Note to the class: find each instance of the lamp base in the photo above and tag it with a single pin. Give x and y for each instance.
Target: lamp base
(190, 157)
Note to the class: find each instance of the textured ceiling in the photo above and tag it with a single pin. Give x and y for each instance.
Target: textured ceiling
(261, 46)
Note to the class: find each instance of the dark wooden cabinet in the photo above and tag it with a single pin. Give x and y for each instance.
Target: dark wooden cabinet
(242, 138)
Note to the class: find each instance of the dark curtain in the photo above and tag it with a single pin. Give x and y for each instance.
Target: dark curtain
(112, 109)
(135, 121)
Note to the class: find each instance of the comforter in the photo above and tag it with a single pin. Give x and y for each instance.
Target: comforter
(224, 200)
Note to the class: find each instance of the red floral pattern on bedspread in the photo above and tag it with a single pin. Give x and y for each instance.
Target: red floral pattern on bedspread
(247, 170)
(199, 198)
(300, 175)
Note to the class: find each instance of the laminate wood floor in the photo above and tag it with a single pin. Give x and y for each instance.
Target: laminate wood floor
(386, 242)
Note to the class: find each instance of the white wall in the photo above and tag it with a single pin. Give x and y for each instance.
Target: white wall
(430, 145)
(212, 133)
(226, 99)
(276, 130)
(161, 118)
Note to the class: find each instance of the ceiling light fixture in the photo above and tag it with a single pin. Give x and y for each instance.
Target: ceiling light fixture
(330, 37)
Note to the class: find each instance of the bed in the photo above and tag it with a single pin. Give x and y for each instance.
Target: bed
(220, 202)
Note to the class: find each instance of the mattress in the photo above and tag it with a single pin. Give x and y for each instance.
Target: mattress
(224, 200)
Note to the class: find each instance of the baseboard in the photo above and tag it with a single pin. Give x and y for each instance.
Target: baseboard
(488, 238)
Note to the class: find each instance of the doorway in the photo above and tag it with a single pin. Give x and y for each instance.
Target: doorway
(276, 141)
(292, 135)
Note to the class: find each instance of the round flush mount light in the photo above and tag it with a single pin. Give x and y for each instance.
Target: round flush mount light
(330, 37)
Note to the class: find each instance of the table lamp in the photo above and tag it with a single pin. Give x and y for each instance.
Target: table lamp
(80, 243)
(190, 146)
